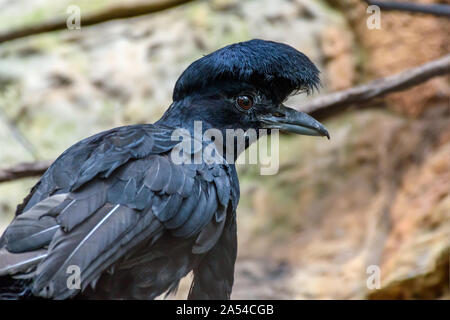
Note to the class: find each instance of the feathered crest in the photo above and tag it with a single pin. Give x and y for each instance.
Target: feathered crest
(274, 66)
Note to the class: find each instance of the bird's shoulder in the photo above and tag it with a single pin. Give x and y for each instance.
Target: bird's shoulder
(98, 155)
(131, 153)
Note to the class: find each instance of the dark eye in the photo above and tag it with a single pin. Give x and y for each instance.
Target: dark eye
(245, 102)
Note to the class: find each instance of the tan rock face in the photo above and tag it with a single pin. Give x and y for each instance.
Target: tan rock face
(405, 40)
(338, 50)
(376, 195)
(415, 259)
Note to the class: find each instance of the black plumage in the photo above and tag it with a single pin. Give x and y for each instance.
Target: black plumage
(133, 221)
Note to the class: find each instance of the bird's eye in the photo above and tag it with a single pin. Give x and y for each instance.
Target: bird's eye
(244, 102)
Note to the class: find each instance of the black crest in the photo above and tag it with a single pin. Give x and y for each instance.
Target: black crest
(267, 64)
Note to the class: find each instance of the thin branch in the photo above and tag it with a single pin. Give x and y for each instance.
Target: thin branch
(18, 135)
(429, 8)
(330, 104)
(321, 107)
(120, 11)
(23, 170)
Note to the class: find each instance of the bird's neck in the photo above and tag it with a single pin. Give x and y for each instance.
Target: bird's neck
(180, 116)
(186, 121)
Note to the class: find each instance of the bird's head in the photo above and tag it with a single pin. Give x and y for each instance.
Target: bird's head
(243, 86)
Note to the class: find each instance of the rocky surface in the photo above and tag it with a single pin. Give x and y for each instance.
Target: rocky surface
(404, 40)
(377, 194)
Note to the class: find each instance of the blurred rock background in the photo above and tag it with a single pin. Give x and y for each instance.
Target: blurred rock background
(377, 194)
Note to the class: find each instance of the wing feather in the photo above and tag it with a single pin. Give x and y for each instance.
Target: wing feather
(33, 229)
(80, 247)
(107, 195)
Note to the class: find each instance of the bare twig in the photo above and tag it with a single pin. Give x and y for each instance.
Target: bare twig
(23, 170)
(17, 134)
(429, 8)
(327, 105)
(321, 107)
(120, 11)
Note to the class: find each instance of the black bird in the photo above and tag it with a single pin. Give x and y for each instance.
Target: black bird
(117, 211)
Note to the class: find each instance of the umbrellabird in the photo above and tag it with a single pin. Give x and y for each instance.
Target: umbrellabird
(115, 217)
